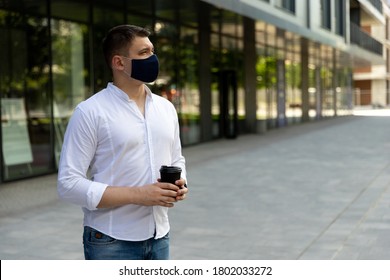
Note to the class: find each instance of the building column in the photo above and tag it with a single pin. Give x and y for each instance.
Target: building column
(205, 72)
(250, 78)
(334, 81)
(305, 79)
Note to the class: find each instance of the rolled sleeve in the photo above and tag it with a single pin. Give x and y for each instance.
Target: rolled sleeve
(76, 155)
(82, 192)
(94, 195)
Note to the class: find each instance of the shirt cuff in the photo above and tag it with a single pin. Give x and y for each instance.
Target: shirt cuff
(95, 194)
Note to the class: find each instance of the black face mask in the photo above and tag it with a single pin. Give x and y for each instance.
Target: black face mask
(145, 70)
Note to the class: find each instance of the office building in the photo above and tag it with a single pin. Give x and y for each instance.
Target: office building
(230, 67)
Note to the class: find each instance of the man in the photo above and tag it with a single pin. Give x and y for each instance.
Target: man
(120, 137)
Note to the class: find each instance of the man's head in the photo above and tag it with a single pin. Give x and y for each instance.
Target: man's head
(130, 55)
(119, 40)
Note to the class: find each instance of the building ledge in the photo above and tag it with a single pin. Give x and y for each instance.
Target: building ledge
(371, 76)
(362, 58)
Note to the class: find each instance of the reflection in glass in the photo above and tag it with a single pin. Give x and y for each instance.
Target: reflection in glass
(344, 99)
(15, 136)
(140, 6)
(104, 20)
(215, 98)
(293, 92)
(70, 9)
(188, 12)
(188, 91)
(166, 9)
(25, 98)
(229, 23)
(313, 91)
(266, 88)
(70, 74)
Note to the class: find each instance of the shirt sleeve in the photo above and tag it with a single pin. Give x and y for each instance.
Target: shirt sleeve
(177, 156)
(78, 150)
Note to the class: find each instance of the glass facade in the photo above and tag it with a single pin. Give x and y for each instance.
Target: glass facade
(26, 104)
(52, 60)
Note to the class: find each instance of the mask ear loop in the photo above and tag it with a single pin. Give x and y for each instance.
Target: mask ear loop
(128, 74)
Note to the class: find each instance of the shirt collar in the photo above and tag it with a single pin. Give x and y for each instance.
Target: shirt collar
(121, 94)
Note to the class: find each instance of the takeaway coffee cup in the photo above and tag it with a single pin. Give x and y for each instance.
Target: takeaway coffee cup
(169, 174)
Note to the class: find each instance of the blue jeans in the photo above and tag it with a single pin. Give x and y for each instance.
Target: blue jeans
(99, 246)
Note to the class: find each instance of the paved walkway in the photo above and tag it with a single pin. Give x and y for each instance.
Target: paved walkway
(311, 191)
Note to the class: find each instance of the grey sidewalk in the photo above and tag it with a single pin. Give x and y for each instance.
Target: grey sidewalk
(311, 191)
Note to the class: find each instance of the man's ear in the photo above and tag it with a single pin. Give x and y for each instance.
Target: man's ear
(117, 63)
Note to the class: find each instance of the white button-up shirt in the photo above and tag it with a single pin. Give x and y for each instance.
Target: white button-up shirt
(109, 138)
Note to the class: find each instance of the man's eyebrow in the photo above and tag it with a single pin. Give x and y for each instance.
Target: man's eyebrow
(147, 49)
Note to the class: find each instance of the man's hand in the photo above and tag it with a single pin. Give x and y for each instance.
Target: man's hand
(182, 192)
(163, 194)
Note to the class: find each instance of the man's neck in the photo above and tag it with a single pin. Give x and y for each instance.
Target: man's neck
(135, 92)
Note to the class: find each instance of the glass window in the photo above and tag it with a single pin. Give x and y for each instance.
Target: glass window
(340, 17)
(261, 33)
(229, 20)
(140, 21)
(260, 72)
(37, 7)
(215, 19)
(315, 89)
(103, 20)
(266, 69)
(71, 10)
(167, 37)
(240, 79)
(344, 99)
(271, 37)
(109, 4)
(293, 91)
(188, 12)
(215, 96)
(187, 95)
(271, 71)
(261, 113)
(166, 9)
(326, 14)
(288, 5)
(178, 79)
(70, 72)
(166, 40)
(327, 82)
(25, 96)
(293, 78)
(140, 6)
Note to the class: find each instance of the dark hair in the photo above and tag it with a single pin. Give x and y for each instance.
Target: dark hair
(119, 39)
